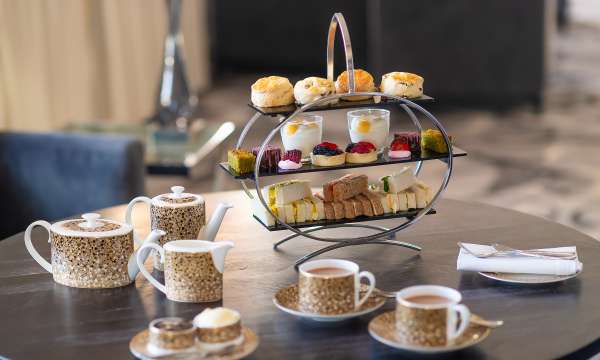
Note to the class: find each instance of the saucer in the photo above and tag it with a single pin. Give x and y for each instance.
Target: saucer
(527, 278)
(141, 348)
(383, 329)
(286, 299)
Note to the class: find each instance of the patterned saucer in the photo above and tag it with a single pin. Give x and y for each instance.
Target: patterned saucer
(383, 329)
(286, 299)
(139, 347)
(527, 278)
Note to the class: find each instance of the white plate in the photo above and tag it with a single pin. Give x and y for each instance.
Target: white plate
(381, 328)
(527, 278)
(288, 302)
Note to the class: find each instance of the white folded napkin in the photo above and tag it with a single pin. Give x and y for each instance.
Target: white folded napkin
(517, 264)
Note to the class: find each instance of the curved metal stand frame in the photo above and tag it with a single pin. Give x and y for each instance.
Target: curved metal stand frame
(383, 235)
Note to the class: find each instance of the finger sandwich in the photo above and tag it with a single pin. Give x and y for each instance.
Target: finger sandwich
(398, 181)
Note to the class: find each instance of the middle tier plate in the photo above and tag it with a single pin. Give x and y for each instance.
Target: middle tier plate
(382, 159)
(362, 218)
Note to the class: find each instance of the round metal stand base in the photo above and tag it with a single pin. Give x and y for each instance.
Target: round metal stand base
(389, 240)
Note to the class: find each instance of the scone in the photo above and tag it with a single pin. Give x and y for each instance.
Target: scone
(327, 154)
(313, 88)
(363, 82)
(272, 91)
(403, 84)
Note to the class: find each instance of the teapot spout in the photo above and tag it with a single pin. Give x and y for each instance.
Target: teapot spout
(211, 229)
(132, 267)
(219, 251)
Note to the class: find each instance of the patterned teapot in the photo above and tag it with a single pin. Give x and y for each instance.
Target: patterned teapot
(90, 252)
(181, 215)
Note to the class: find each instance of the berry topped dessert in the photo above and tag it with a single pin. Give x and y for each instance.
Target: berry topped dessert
(327, 154)
(399, 149)
(412, 138)
(361, 152)
(291, 160)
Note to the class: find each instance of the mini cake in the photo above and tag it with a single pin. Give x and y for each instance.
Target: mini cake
(361, 152)
(403, 84)
(399, 149)
(434, 140)
(291, 160)
(412, 138)
(272, 91)
(313, 88)
(363, 82)
(218, 328)
(327, 154)
(270, 158)
(241, 161)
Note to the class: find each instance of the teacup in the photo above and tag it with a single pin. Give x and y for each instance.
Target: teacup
(430, 315)
(331, 287)
(193, 269)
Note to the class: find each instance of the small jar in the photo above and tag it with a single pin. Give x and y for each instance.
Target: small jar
(172, 333)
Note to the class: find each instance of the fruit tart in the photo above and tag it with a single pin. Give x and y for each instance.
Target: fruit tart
(399, 149)
(327, 154)
(361, 152)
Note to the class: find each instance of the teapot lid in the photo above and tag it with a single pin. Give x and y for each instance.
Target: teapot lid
(90, 225)
(177, 198)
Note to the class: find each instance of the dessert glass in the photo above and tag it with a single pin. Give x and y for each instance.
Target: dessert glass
(303, 133)
(372, 125)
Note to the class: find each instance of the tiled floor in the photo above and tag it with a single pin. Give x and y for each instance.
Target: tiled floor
(540, 163)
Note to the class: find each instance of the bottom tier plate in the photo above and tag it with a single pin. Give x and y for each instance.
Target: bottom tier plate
(403, 214)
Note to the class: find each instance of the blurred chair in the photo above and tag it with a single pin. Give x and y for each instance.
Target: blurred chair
(53, 176)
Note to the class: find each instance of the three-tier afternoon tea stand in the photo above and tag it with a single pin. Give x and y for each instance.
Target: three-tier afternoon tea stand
(284, 114)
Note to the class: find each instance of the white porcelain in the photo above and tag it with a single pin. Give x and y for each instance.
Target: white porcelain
(371, 125)
(512, 278)
(302, 133)
(455, 310)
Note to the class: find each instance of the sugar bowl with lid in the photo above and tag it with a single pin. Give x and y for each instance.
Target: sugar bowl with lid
(89, 252)
(181, 215)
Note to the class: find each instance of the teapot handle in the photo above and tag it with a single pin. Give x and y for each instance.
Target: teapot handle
(32, 251)
(129, 210)
(140, 261)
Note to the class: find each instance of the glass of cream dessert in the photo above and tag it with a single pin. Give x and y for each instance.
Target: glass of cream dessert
(302, 133)
(370, 125)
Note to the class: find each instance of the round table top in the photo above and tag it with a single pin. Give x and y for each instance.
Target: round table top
(43, 319)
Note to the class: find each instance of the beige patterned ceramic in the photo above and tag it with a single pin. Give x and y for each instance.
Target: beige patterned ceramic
(89, 252)
(180, 215)
(286, 299)
(430, 324)
(332, 294)
(383, 329)
(140, 348)
(193, 269)
(172, 333)
(221, 334)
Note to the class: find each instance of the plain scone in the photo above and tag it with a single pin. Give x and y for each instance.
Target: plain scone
(313, 88)
(403, 84)
(363, 82)
(272, 91)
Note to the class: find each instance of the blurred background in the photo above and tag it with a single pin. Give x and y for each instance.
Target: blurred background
(104, 100)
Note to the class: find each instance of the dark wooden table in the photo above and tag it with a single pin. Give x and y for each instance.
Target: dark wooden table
(45, 320)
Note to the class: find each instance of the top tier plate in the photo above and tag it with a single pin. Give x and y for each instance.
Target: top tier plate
(288, 109)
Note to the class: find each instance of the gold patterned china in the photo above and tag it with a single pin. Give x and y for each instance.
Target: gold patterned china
(430, 315)
(172, 333)
(181, 215)
(193, 269)
(90, 252)
(383, 329)
(141, 348)
(331, 287)
(218, 328)
(286, 299)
